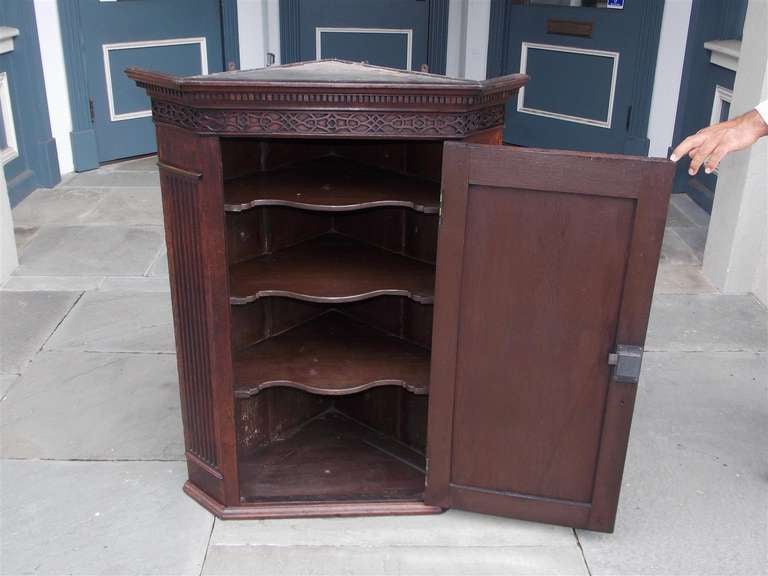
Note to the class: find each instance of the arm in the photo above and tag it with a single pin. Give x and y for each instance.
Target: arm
(711, 144)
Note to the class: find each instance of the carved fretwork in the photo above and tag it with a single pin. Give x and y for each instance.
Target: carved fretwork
(329, 123)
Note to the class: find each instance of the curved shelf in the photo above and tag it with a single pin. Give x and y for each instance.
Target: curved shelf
(332, 355)
(331, 184)
(332, 268)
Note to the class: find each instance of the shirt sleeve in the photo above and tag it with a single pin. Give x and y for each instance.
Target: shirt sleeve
(762, 109)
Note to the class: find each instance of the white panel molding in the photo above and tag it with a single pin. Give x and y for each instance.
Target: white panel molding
(721, 95)
(521, 107)
(11, 149)
(107, 48)
(408, 32)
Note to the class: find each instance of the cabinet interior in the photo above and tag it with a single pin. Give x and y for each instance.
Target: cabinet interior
(331, 247)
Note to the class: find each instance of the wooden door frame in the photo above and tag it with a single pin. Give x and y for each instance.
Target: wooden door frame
(437, 42)
(637, 141)
(83, 134)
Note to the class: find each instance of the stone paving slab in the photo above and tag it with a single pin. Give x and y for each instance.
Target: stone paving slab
(674, 250)
(695, 238)
(707, 322)
(136, 284)
(116, 321)
(97, 206)
(694, 492)
(143, 164)
(455, 542)
(91, 251)
(452, 528)
(22, 235)
(6, 381)
(100, 518)
(53, 283)
(160, 265)
(676, 217)
(688, 208)
(396, 560)
(681, 279)
(28, 319)
(113, 178)
(94, 406)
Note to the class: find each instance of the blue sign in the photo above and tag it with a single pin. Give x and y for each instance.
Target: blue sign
(619, 4)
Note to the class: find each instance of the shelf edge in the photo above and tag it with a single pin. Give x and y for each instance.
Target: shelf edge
(242, 393)
(419, 298)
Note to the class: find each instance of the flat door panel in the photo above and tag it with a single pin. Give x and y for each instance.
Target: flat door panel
(390, 33)
(546, 262)
(181, 37)
(582, 58)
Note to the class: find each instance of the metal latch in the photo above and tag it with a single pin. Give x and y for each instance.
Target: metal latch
(627, 360)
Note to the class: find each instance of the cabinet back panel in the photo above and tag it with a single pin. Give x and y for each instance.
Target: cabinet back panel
(244, 156)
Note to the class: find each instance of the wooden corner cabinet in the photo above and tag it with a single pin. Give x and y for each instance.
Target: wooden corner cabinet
(379, 309)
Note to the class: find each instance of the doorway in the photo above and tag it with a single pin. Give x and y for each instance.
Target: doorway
(591, 65)
(405, 34)
(182, 37)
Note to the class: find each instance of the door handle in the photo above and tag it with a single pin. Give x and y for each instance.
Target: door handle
(627, 361)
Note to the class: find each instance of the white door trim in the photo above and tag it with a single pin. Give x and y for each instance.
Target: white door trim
(521, 107)
(107, 48)
(407, 31)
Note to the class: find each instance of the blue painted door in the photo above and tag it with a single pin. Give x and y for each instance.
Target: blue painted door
(27, 150)
(382, 32)
(177, 36)
(580, 95)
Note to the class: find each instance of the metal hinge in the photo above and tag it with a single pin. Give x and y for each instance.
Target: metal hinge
(627, 360)
(90, 109)
(440, 208)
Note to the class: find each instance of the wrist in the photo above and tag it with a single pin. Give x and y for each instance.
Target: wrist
(756, 123)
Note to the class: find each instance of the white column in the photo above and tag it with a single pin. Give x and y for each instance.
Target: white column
(736, 256)
(669, 72)
(258, 25)
(55, 77)
(468, 26)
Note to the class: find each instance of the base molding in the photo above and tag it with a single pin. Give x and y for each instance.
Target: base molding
(307, 509)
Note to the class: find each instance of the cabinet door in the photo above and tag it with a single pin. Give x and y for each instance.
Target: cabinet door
(546, 267)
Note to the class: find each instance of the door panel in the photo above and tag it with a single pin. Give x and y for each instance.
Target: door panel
(581, 87)
(382, 32)
(181, 37)
(546, 262)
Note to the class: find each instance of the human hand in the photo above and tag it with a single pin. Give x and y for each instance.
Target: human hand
(712, 143)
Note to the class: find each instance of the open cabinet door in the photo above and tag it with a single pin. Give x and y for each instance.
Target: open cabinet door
(545, 272)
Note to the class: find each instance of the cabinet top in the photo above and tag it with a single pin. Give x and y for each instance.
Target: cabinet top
(328, 98)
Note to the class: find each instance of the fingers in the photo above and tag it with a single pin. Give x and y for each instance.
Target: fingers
(715, 157)
(690, 143)
(701, 154)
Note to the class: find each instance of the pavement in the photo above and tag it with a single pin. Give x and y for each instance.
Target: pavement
(92, 448)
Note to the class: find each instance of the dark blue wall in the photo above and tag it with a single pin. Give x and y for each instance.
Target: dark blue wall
(37, 164)
(710, 20)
